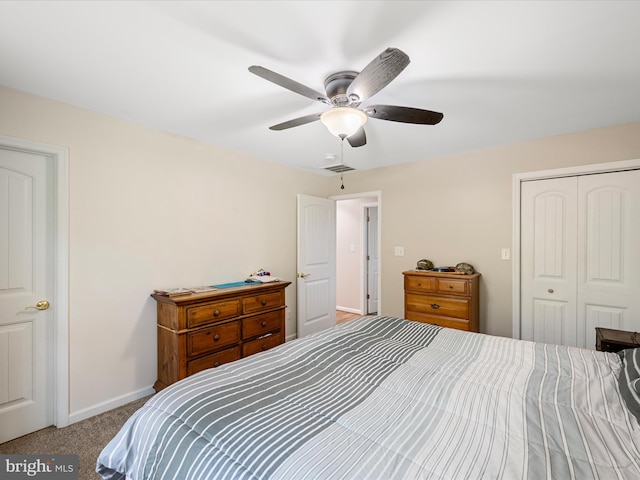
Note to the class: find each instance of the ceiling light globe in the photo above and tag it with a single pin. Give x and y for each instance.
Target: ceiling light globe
(343, 121)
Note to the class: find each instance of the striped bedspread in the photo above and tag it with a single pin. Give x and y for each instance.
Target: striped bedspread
(386, 398)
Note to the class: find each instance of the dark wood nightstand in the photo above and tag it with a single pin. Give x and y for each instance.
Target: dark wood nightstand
(609, 340)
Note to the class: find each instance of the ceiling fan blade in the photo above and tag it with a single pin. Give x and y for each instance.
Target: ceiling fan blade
(289, 84)
(378, 74)
(358, 139)
(404, 114)
(296, 122)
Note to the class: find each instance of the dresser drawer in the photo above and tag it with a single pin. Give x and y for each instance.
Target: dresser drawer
(261, 344)
(441, 321)
(264, 301)
(451, 285)
(438, 306)
(213, 360)
(212, 338)
(262, 324)
(212, 312)
(420, 284)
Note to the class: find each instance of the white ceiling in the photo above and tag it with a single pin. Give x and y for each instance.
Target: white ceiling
(501, 72)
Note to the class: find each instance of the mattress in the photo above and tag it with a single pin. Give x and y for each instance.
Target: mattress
(387, 398)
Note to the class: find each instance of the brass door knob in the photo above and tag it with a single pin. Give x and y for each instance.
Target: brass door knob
(41, 305)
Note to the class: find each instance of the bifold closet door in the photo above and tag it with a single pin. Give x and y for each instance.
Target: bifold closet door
(580, 260)
(549, 228)
(608, 293)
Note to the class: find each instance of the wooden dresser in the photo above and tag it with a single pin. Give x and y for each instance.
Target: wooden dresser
(205, 330)
(445, 299)
(611, 340)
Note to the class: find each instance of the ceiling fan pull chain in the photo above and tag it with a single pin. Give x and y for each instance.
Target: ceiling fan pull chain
(341, 161)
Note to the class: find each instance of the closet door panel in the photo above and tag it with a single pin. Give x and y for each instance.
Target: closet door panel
(609, 242)
(548, 268)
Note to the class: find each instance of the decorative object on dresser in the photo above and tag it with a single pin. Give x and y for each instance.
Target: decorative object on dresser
(424, 264)
(445, 299)
(610, 340)
(204, 330)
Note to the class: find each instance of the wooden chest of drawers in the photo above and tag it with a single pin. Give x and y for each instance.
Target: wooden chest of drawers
(205, 330)
(445, 299)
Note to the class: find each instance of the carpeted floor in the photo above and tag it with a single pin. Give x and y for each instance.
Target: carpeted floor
(85, 439)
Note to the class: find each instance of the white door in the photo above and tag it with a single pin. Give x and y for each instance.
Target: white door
(609, 241)
(372, 260)
(548, 265)
(580, 263)
(316, 283)
(26, 334)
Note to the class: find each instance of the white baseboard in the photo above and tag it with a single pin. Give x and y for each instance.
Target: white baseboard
(288, 338)
(349, 310)
(110, 405)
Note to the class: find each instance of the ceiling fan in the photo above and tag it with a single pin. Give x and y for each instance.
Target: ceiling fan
(346, 90)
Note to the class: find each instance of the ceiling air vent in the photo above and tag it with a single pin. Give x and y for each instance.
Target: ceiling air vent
(339, 168)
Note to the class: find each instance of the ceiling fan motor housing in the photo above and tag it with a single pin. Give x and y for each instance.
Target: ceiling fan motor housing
(336, 86)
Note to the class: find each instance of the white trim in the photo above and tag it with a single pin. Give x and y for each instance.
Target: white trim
(518, 178)
(60, 158)
(111, 404)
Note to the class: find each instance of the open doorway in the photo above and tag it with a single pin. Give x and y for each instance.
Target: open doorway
(357, 253)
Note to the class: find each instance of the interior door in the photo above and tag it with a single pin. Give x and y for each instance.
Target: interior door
(372, 261)
(316, 282)
(26, 338)
(549, 268)
(609, 241)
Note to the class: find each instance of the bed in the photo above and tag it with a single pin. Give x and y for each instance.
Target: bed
(387, 398)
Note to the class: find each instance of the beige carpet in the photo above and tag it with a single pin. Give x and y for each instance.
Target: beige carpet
(85, 439)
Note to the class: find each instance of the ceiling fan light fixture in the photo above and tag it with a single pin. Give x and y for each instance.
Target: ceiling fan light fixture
(343, 121)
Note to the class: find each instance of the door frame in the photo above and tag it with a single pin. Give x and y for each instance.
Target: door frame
(517, 180)
(59, 159)
(378, 195)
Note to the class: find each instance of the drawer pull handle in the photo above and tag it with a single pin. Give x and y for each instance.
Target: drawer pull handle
(550, 290)
(216, 338)
(263, 303)
(216, 313)
(435, 306)
(450, 286)
(264, 347)
(263, 323)
(217, 364)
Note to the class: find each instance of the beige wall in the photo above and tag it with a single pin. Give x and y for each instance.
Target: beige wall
(152, 210)
(458, 208)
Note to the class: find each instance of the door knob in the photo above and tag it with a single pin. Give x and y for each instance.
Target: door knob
(550, 290)
(41, 305)
(303, 275)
